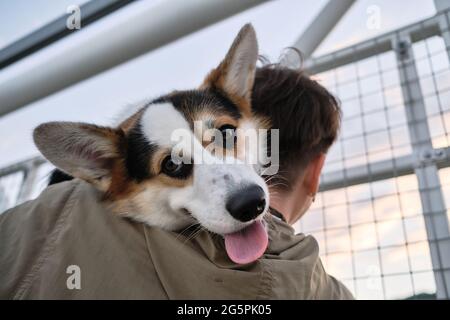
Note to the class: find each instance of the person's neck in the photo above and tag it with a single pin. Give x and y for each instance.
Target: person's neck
(289, 203)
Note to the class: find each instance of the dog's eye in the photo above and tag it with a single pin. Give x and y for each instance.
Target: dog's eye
(175, 170)
(228, 135)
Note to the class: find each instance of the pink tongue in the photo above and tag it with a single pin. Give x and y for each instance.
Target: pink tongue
(247, 245)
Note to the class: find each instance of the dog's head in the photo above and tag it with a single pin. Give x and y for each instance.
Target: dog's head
(159, 167)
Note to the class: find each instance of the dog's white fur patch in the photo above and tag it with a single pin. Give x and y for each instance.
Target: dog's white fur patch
(160, 121)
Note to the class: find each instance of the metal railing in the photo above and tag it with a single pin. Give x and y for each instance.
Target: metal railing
(400, 85)
(19, 181)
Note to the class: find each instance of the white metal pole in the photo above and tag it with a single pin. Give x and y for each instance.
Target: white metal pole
(146, 29)
(441, 5)
(322, 25)
(433, 204)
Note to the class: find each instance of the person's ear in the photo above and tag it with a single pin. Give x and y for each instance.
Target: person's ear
(81, 150)
(236, 73)
(312, 177)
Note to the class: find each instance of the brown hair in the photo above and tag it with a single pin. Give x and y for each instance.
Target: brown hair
(307, 115)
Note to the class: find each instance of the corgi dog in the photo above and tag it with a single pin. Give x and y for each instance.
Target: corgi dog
(147, 175)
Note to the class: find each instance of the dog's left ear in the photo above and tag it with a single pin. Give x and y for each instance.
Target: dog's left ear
(81, 150)
(236, 73)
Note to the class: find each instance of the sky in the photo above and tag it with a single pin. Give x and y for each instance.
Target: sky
(21, 17)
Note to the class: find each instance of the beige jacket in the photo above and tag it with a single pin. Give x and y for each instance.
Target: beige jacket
(120, 259)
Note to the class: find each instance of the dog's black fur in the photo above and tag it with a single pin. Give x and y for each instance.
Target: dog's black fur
(58, 176)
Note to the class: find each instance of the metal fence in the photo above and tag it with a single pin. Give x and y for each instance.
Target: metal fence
(381, 217)
(22, 181)
(382, 214)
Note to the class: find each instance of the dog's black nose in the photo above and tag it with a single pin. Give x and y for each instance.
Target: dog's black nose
(246, 204)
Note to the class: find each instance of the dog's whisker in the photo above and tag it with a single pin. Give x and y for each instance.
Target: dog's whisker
(280, 178)
(279, 182)
(278, 172)
(185, 230)
(195, 233)
(272, 178)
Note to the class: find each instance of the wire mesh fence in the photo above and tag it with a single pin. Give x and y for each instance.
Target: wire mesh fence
(381, 217)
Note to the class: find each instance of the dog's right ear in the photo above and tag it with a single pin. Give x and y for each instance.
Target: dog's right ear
(82, 150)
(236, 73)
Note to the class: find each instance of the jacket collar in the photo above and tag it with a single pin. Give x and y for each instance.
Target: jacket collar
(277, 214)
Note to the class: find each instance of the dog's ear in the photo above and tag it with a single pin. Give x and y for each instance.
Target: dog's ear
(82, 150)
(236, 73)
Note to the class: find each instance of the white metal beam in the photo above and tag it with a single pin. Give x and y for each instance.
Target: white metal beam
(322, 25)
(433, 204)
(441, 5)
(418, 31)
(146, 29)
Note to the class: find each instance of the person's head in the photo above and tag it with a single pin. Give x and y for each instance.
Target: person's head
(308, 118)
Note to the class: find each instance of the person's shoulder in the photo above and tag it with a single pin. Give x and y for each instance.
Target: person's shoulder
(33, 221)
(283, 238)
(25, 229)
(51, 197)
